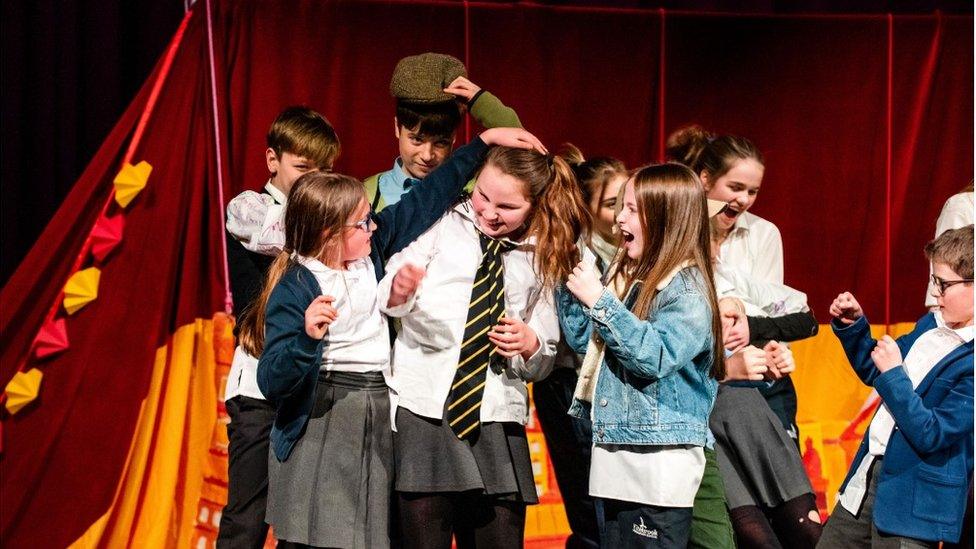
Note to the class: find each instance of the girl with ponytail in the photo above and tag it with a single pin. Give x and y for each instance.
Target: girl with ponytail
(324, 350)
(479, 327)
(769, 497)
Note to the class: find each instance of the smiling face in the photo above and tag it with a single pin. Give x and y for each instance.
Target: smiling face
(500, 205)
(421, 154)
(737, 187)
(287, 168)
(956, 304)
(604, 207)
(628, 220)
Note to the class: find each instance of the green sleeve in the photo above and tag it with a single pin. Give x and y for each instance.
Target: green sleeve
(372, 185)
(490, 112)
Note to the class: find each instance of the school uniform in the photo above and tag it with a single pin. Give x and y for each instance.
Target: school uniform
(431, 457)
(254, 236)
(919, 443)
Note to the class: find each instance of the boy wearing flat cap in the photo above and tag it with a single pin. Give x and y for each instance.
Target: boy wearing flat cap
(431, 91)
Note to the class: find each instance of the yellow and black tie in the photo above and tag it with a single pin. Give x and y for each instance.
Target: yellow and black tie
(486, 307)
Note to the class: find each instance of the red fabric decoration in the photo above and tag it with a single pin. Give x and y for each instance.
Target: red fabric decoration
(52, 339)
(106, 235)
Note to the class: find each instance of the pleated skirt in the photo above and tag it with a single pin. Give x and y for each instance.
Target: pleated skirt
(430, 458)
(334, 489)
(759, 462)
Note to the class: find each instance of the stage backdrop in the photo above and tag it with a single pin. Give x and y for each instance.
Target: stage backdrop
(866, 124)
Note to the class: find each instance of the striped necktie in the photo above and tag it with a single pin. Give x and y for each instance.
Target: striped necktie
(487, 305)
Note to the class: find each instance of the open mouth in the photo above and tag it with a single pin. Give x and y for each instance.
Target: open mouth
(627, 237)
(730, 212)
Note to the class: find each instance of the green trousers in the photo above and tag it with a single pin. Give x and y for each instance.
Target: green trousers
(710, 524)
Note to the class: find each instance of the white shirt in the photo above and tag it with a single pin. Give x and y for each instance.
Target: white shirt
(257, 220)
(760, 298)
(666, 476)
(957, 212)
(426, 351)
(359, 339)
(755, 248)
(927, 351)
(243, 377)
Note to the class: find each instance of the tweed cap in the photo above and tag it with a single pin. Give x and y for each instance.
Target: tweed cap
(422, 78)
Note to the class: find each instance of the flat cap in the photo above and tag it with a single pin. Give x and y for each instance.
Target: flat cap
(422, 78)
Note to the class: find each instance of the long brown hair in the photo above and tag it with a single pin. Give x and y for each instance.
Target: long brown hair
(319, 206)
(559, 215)
(674, 219)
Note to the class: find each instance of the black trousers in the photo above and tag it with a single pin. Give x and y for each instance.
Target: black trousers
(242, 521)
(569, 440)
(625, 524)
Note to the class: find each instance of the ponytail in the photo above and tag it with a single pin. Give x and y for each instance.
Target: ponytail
(251, 336)
(560, 216)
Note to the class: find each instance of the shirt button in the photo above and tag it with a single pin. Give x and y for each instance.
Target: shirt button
(603, 402)
(600, 314)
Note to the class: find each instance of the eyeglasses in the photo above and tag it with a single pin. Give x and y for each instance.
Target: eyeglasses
(942, 285)
(366, 224)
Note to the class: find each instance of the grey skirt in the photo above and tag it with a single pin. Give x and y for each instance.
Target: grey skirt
(334, 489)
(759, 462)
(430, 458)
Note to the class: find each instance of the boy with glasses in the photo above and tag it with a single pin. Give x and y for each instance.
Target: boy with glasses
(908, 483)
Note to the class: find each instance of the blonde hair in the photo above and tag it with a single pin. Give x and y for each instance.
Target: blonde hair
(319, 207)
(673, 217)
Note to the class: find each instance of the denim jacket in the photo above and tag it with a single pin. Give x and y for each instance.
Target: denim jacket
(653, 386)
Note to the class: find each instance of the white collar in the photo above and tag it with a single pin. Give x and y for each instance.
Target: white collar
(317, 266)
(667, 280)
(965, 333)
(276, 193)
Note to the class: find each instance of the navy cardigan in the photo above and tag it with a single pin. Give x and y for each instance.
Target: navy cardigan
(288, 367)
(924, 479)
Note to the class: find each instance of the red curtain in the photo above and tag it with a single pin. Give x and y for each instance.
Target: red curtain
(866, 123)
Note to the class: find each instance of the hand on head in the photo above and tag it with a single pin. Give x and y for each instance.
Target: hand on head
(513, 137)
(463, 88)
(319, 315)
(846, 309)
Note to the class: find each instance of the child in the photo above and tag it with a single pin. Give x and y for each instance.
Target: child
(300, 140)
(908, 483)
(481, 326)
(731, 169)
(428, 88)
(324, 350)
(653, 353)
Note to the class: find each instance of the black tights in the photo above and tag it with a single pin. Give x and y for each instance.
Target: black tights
(786, 525)
(427, 521)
